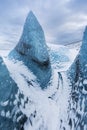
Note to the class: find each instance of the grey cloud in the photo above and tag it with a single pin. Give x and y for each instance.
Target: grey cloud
(78, 6)
(62, 21)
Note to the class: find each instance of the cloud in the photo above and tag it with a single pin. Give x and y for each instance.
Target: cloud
(78, 6)
(62, 21)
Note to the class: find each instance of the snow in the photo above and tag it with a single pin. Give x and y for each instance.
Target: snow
(85, 81)
(3, 113)
(4, 103)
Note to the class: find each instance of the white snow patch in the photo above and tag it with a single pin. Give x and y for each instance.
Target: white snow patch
(85, 81)
(4, 103)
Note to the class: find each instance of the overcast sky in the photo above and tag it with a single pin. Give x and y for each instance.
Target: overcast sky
(62, 20)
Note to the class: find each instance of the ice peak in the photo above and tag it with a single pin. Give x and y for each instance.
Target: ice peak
(32, 42)
(79, 67)
(86, 28)
(30, 14)
(31, 21)
(32, 50)
(83, 50)
(85, 34)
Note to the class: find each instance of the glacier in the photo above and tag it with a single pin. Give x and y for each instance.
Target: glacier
(43, 87)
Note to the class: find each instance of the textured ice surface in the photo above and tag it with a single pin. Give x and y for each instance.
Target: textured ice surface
(32, 42)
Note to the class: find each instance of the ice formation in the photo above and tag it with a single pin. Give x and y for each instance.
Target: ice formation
(32, 42)
(9, 101)
(78, 81)
(32, 50)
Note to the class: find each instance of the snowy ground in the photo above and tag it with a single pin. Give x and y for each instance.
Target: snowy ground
(50, 105)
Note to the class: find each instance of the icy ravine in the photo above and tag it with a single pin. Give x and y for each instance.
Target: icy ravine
(49, 111)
